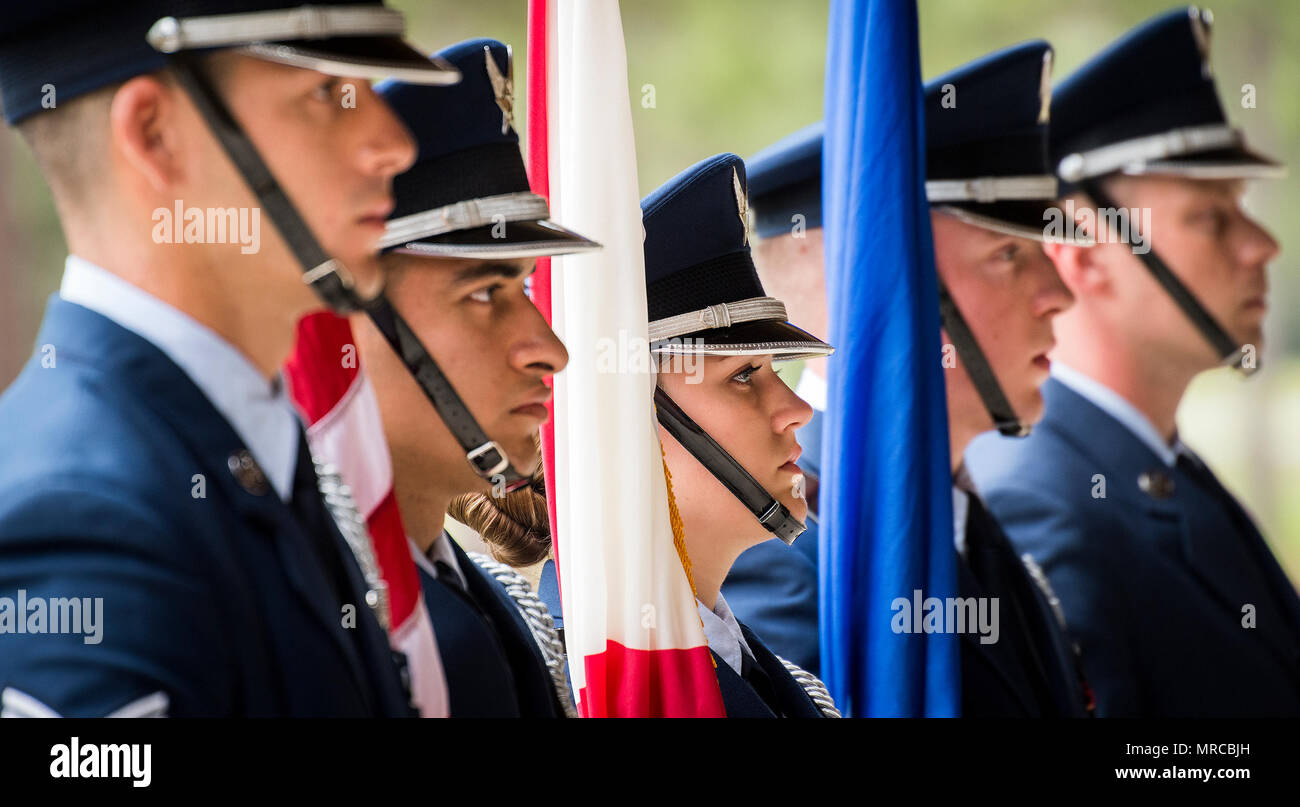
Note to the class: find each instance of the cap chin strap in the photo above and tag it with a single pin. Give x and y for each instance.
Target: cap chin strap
(978, 368)
(334, 285)
(328, 277)
(770, 513)
(1230, 352)
(483, 454)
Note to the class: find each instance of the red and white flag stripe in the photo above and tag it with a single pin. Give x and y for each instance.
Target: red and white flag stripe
(345, 429)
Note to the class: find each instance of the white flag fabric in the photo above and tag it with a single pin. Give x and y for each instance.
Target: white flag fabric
(636, 646)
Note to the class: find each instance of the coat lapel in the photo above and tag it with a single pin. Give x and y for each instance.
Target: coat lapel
(999, 655)
(1231, 560)
(536, 692)
(790, 694)
(738, 698)
(83, 335)
(1189, 523)
(1136, 479)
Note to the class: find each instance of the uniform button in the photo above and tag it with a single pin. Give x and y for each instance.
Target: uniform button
(1156, 484)
(248, 473)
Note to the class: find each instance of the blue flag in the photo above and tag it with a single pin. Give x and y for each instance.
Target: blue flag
(887, 486)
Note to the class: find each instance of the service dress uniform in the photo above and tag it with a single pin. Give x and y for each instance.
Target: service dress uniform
(697, 261)
(1165, 581)
(164, 547)
(770, 587)
(467, 198)
(986, 164)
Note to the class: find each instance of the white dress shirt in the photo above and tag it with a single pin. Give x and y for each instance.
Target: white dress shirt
(1114, 404)
(723, 633)
(259, 411)
(960, 511)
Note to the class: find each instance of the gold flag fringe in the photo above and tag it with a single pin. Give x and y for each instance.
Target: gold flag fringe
(675, 518)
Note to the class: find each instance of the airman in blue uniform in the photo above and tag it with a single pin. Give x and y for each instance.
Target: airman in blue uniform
(989, 188)
(455, 343)
(770, 587)
(164, 548)
(728, 422)
(1164, 579)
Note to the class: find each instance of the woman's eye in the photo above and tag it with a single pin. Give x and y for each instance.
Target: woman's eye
(484, 295)
(745, 375)
(1008, 253)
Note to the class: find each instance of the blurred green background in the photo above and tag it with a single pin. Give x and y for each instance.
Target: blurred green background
(736, 75)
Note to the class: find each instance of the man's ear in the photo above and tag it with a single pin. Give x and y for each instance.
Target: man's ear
(143, 120)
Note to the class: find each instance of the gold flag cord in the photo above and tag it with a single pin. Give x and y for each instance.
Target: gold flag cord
(679, 535)
(679, 532)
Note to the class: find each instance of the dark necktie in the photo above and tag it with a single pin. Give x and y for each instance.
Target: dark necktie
(448, 576)
(757, 677)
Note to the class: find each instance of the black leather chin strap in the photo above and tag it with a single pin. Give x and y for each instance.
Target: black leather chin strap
(770, 513)
(1230, 353)
(978, 368)
(328, 277)
(484, 455)
(334, 285)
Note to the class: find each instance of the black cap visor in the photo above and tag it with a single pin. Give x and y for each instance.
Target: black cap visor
(518, 239)
(1022, 218)
(370, 57)
(1238, 162)
(780, 339)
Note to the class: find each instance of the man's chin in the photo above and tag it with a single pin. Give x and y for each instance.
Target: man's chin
(1030, 406)
(1252, 333)
(367, 274)
(526, 460)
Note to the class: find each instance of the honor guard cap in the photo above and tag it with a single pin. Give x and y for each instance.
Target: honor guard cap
(705, 299)
(987, 156)
(467, 195)
(987, 164)
(703, 292)
(986, 141)
(73, 47)
(785, 181)
(1148, 105)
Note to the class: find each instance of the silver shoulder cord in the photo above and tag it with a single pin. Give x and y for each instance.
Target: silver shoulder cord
(1040, 579)
(343, 508)
(539, 621)
(813, 687)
